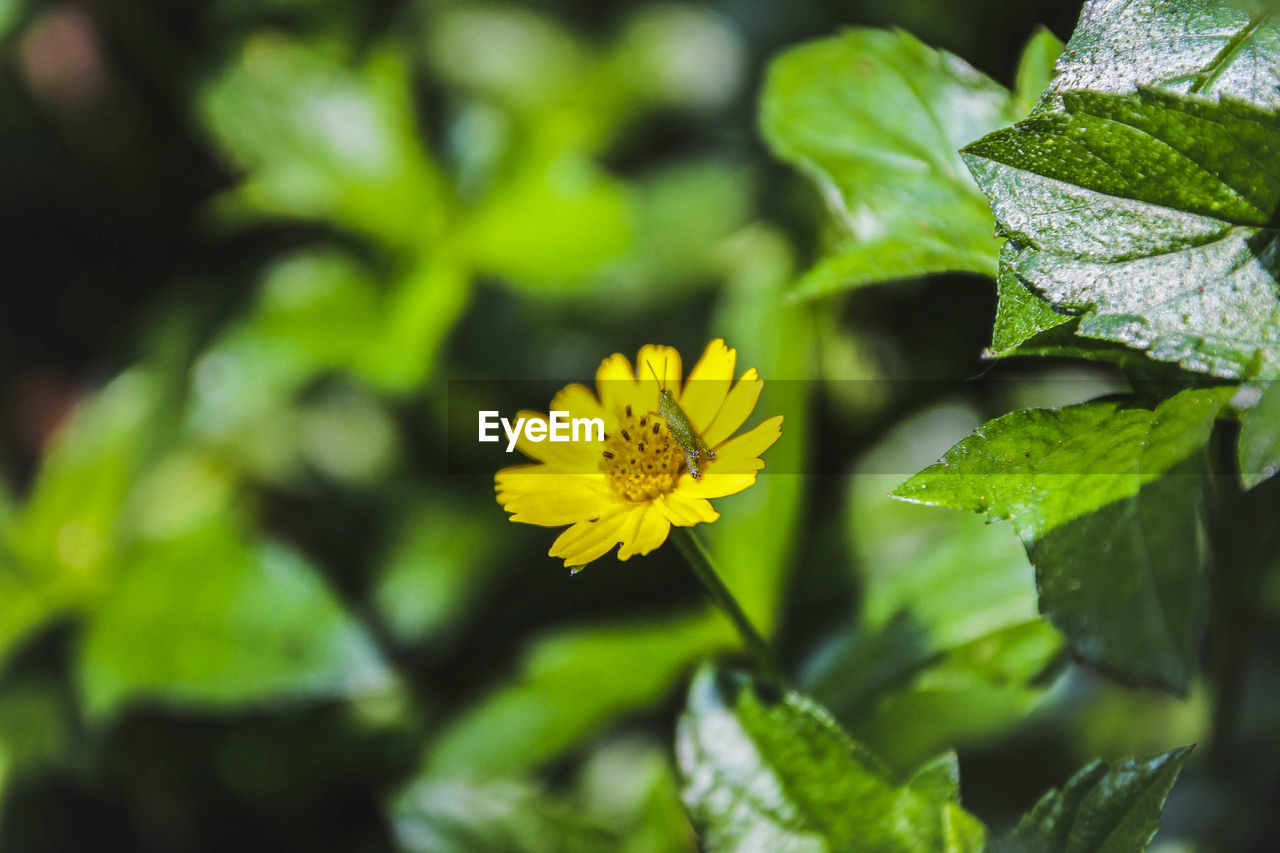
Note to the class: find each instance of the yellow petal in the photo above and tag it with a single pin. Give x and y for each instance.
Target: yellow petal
(737, 407)
(716, 485)
(589, 540)
(648, 530)
(664, 364)
(708, 384)
(686, 512)
(578, 457)
(578, 401)
(616, 384)
(620, 389)
(739, 449)
(545, 495)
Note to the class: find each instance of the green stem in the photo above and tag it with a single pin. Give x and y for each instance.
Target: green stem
(700, 561)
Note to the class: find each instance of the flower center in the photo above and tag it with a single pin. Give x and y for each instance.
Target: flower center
(641, 459)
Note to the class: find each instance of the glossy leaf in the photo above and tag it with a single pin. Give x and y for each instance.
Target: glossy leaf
(1129, 268)
(770, 772)
(901, 200)
(1213, 47)
(1150, 216)
(1108, 501)
(1105, 807)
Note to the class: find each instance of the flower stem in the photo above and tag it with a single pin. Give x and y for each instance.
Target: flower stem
(700, 561)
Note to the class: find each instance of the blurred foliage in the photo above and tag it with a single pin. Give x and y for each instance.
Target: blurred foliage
(252, 598)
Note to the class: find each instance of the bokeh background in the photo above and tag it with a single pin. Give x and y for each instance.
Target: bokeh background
(254, 593)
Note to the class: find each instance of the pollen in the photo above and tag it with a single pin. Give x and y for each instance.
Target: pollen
(642, 462)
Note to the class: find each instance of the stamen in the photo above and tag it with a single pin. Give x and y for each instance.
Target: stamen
(642, 470)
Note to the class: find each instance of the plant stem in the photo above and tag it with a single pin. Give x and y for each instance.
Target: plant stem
(700, 561)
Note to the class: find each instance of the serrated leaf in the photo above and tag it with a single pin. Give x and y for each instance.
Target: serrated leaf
(1104, 808)
(1208, 46)
(208, 620)
(1020, 314)
(770, 772)
(1211, 49)
(1259, 443)
(1108, 502)
(1152, 217)
(899, 194)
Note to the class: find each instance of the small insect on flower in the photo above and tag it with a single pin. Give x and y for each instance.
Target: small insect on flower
(667, 449)
(694, 446)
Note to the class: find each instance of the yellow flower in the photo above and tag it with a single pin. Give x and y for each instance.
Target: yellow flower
(631, 487)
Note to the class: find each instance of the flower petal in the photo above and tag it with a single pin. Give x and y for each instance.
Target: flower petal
(685, 512)
(589, 540)
(737, 407)
(708, 384)
(578, 457)
(648, 531)
(547, 496)
(663, 363)
(736, 453)
(616, 384)
(716, 485)
(579, 402)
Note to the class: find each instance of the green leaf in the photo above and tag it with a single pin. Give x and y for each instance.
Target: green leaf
(901, 199)
(1152, 217)
(319, 140)
(948, 644)
(1259, 443)
(1103, 809)
(207, 620)
(59, 548)
(439, 559)
(1108, 501)
(1213, 47)
(1036, 67)
(1020, 314)
(459, 816)
(554, 218)
(624, 799)
(421, 304)
(569, 687)
(769, 772)
(68, 524)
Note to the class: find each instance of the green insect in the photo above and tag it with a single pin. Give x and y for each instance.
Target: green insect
(694, 447)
